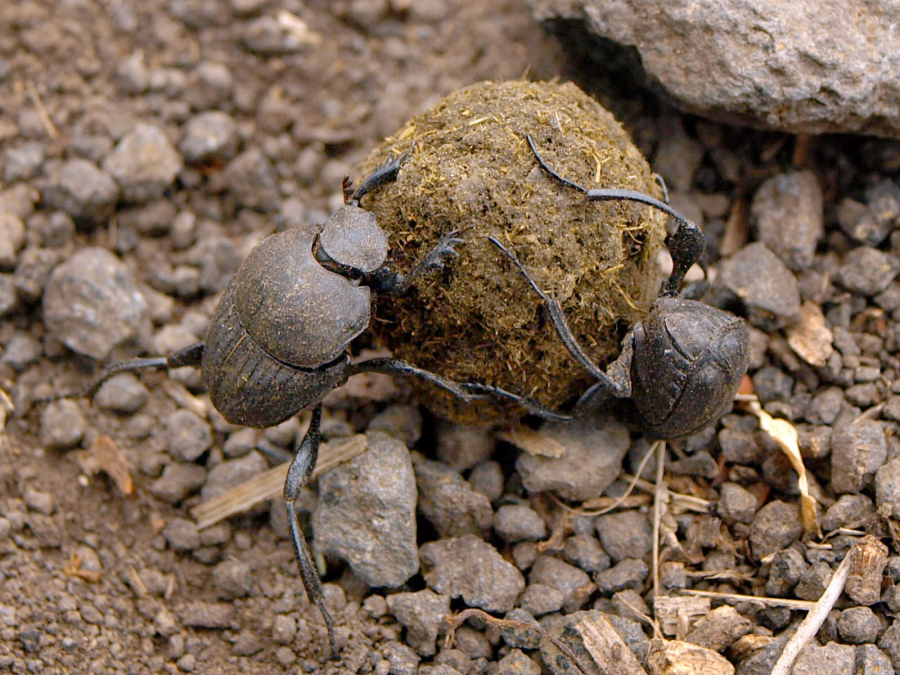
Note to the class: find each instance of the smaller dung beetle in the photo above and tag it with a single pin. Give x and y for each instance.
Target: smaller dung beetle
(681, 364)
(278, 342)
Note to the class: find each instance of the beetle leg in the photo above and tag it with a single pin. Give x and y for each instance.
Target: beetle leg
(380, 176)
(189, 356)
(386, 282)
(465, 391)
(686, 245)
(297, 477)
(608, 383)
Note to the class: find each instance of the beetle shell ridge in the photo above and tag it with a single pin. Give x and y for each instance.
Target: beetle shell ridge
(247, 385)
(296, 310)
(693, 357)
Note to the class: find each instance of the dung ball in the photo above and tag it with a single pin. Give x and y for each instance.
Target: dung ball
(469, 168)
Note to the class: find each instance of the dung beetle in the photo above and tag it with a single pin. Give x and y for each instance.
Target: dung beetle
(278, 342)
(681, 364)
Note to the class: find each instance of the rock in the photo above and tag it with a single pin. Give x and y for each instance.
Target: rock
(232, 579)
(209, 136)
(787, 210)
(178, 481)
(630, 573)
(186, 435)
(12, 239)
(626, 534)
(736, 504)
(449, 502)
(251, 179)
(62, 425)
(776, 526)
(784, 572)
(22, 162)
(585, 552)
(144, 164)
(857, 451)
(800, 67)
(21, 351)
(516, 663)
(424, 615)
(832, 659)
(470, 568)
(402, 659)
(33, 272)
(519, 522)
(848, 510)
(540, 599)
(574, 583)
(758, 279)
(813, 581)
(887, 489)
(182, 535)
(206, 614)
(366, 513)
(232, 473)
(594, 448)
(92, 303)
(122, 393)
(464, 446)
(80, 188)
(870, 660)
(867, 271)
(859, 625)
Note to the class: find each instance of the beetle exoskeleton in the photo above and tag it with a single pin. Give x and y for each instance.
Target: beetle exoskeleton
(688, 360)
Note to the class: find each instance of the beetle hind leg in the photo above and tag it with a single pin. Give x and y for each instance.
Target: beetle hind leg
(297, 477)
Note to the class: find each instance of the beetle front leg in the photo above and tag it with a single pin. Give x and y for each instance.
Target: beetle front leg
(384, 281)
(614, 383)
(297, 477)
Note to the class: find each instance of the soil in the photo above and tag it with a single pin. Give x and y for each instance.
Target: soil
(101, 576)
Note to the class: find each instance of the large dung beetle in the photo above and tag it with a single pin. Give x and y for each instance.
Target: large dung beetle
(681, 364)
(278, 342)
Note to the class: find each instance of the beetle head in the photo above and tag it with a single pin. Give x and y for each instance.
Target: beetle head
(689, 358)
(352, 239)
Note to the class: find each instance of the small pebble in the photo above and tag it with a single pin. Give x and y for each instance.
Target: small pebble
(519, 522)
(859, 625)
(93, 278)
(857, 451)
(182, 534)
(144, 164)
(422, 614)
(625, 535)
(470, 568)
(62, 425)
(867, 271)
(178, 481)
(122, 393)
(787, 210)
(813, 581)
(209, 136)
(775, 526)
(186, 435)
(80, 188)
(784, 572)
(21, 351)
(232, 579)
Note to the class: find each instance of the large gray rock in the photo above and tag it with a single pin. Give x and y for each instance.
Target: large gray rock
(366, 513)
(804, 67)
(92, 303)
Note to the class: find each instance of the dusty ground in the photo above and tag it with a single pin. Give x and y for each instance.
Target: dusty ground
(88, 581)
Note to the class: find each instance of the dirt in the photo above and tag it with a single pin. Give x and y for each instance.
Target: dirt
(90, 578)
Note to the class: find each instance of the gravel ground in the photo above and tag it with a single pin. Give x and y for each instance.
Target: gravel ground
(145, 148)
